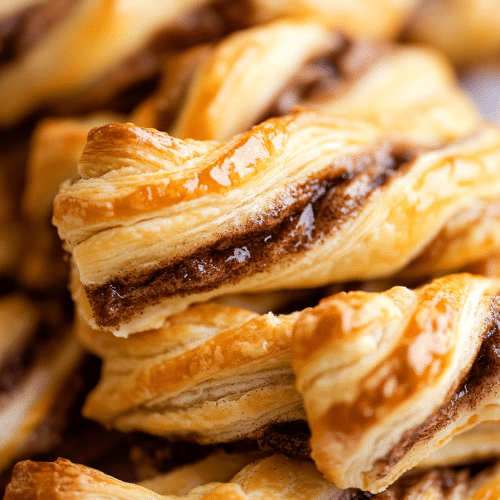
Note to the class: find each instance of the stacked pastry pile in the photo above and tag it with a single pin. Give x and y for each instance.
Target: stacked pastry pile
(307, 155)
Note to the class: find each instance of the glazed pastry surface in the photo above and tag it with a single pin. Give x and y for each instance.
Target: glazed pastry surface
(388, 378)
(156, 223)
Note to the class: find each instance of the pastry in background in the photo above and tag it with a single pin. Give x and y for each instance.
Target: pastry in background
(38, 357)
(73, 57)
(82, 55)
(465, 30)
(301, 201)
(271, 478)
(389, 378)
(55, 148)
(377, 19)
(215, 92)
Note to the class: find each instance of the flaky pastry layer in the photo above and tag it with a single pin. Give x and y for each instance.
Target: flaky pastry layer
(388, 378)
(156, 223)
(212, 373)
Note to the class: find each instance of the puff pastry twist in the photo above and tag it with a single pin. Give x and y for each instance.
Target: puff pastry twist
(156, 223)
(388, 378)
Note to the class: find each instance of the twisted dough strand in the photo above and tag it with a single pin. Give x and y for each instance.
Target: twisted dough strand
(156, 223)
(388, 378)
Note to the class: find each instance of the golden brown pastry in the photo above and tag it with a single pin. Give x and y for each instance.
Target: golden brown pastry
(272, 478)
(212, 373)
(72, 55)
(34, 370)
(156, 223)
(388, 378)
(217, 92)
(466, 30)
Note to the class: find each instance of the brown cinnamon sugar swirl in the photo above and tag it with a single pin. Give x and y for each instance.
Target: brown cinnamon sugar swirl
(388, 378)
(156, 223)
(272, 478)
(216, 92)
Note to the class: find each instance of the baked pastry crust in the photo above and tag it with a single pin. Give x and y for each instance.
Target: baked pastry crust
(212, 374)
(156, 223)
(271, 478)
(388, 378)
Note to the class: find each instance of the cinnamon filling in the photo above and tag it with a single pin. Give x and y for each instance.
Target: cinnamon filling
(290, 439)
(321, 204)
